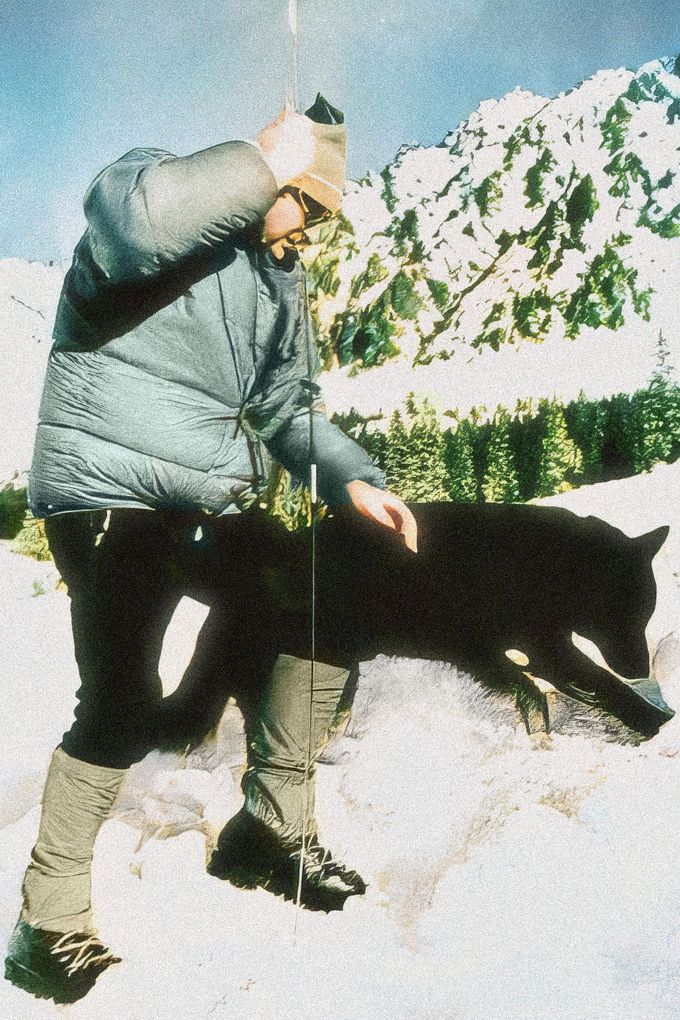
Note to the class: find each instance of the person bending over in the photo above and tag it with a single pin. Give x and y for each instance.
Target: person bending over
(182, 369)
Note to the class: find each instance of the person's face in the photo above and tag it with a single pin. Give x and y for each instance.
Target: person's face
(291, 214)
(285, 217)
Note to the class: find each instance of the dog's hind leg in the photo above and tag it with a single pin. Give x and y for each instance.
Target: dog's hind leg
(501, 673)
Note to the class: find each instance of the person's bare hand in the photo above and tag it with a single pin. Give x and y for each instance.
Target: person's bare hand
(287, 145)
(385, 508)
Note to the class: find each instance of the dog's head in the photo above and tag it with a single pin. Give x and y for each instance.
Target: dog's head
(619, 600)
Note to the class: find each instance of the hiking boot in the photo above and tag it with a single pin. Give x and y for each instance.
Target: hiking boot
(326, 883)
(249, 854)
(55, 965)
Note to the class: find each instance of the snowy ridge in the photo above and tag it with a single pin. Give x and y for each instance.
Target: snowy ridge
(531, 254)
(536, 222)
(28, 301)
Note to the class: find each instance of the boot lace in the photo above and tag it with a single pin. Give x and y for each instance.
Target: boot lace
(319, 862)
(80, 950)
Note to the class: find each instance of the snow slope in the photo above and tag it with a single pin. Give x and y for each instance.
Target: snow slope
(509, 876)
(28, 302)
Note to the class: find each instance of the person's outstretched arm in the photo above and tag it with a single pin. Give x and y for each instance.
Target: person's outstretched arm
(345, 472)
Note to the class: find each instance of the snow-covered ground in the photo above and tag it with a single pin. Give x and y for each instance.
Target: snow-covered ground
(510, 876)
(601, 363)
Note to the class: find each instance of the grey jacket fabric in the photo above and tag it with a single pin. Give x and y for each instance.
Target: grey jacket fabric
(183, 358)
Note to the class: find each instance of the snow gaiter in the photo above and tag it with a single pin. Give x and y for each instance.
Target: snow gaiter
(274, 783)
(76, 801)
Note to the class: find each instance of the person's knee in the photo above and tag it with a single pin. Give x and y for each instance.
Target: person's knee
(111, 745)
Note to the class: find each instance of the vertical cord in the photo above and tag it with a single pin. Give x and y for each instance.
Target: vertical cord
(293, 91)
(313, 493)
(293, 104)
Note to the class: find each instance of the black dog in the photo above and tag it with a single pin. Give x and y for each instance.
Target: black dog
(486, 579)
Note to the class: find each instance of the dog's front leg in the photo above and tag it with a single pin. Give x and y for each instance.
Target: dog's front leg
(575, 674)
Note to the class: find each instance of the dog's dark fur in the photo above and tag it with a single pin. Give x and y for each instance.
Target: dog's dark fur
(487, 578)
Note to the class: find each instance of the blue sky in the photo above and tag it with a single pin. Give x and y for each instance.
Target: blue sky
(83, 82)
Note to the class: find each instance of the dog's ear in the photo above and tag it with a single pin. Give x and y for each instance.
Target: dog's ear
(652, 541)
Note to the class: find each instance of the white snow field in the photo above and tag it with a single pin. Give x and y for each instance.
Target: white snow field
(511, 877)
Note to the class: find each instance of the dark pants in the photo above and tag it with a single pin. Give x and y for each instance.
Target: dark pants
(126, 571)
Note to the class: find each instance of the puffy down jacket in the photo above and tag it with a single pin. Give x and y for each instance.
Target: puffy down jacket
(181, 346)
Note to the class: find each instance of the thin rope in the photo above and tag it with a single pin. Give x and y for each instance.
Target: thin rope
(310, 723)
(293, 104)
(293, 90)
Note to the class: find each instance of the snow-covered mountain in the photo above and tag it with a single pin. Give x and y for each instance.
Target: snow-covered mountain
(534, 252)
(28, 302)
(536, 222)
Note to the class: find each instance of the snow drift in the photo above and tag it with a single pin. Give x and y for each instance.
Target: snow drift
(509, 875)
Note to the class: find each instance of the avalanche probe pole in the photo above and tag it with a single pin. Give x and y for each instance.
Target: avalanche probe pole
(293, 104)
(310, 749)
(293, 90)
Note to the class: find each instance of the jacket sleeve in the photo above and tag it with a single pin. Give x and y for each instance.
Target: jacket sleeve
(339, 458)
(150, 210)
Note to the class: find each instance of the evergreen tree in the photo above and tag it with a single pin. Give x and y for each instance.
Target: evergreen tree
(656, 414)
(365, 432)
(375, 444)
(480, 428)
(459, 460)
(501, 484)
(415, 459)
(427, 453)
(618, 450)
(587, 420)
(525, 441)
(397, 455)
(561, 460)
(477, 414)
